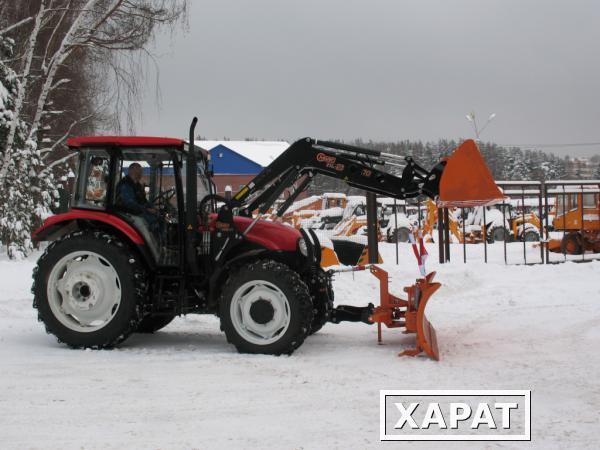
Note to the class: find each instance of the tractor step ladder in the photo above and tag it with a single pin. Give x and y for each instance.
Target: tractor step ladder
(395, 312)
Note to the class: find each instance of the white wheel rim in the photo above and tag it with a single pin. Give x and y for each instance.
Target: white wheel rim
(260, 298)
(84, 291)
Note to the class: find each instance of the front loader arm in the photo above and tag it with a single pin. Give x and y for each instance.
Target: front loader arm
(355, 165)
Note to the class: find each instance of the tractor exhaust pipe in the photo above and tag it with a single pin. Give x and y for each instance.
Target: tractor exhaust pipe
(191, 203)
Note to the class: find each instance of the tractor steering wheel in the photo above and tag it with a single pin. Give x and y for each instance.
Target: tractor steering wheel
(161, 200)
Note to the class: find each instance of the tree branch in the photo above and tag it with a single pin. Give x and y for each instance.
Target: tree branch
(14, 26)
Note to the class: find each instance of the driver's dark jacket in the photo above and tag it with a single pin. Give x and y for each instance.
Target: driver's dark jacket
(131, 196)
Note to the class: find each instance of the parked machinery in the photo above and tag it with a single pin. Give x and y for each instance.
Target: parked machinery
(577, 215)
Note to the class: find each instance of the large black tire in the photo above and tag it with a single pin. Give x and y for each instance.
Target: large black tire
(152, 323)
(322, 300)
(570, 244)
(400, 234)
(498, 234)
(531, 236)
(131, 281)
(290, 287)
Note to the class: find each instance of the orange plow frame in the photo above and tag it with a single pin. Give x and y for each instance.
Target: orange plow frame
(395, 312)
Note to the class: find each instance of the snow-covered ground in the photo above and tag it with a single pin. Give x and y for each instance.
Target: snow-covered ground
(499, 327)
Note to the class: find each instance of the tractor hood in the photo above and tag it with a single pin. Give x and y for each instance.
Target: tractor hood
(270, 235)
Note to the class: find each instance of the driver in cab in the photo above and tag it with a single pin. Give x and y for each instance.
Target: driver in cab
(131, 196)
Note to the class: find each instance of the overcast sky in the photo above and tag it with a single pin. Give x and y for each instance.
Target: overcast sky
(384, 70)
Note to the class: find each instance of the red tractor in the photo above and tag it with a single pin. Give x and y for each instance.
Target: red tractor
(109, 271)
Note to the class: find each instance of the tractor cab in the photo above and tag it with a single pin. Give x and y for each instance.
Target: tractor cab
(157, 211)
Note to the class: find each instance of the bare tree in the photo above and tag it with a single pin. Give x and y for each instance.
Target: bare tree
(78, 62)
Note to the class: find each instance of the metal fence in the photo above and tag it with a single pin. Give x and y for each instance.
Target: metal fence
(528, 214)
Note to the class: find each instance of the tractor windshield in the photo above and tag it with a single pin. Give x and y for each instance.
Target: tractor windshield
(202, 180)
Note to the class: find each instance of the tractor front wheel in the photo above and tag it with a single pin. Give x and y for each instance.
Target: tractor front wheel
(88, 289)
(265, 308)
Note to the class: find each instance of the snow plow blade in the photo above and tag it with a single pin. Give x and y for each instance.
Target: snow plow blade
(466, 180)
(395, 312)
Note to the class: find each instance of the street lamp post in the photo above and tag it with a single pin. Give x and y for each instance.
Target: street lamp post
(471, 118)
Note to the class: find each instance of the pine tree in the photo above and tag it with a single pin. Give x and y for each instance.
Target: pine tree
(27, 197)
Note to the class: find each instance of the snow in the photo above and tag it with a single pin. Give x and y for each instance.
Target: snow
(331, 212)
(389, 201)
(3, 96)
(499, 327)
(356, 199)
(400, 221)
(334, 195)
(299, 204)
(261, 152)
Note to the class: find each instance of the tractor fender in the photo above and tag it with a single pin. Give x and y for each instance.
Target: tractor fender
(60, 224)
(54, 227)
(249, 255)
(219, 272)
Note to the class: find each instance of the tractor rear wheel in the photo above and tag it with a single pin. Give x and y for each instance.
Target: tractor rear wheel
(152, 323)
(88, 289)
(570, 244)
(265, 307)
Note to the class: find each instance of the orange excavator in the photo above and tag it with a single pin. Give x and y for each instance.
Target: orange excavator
(577, 215)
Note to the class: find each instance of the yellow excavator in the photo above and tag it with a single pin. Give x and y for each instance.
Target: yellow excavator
(577, 215)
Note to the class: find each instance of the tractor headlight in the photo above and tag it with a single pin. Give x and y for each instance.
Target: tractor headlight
(302, 247)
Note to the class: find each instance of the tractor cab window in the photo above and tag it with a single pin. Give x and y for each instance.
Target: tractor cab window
(146, 195)
(92, 185)
(152, 173)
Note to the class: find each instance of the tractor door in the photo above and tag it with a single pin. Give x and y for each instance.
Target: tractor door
(160, 221)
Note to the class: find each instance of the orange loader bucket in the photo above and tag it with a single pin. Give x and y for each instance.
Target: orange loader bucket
(467, 180)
